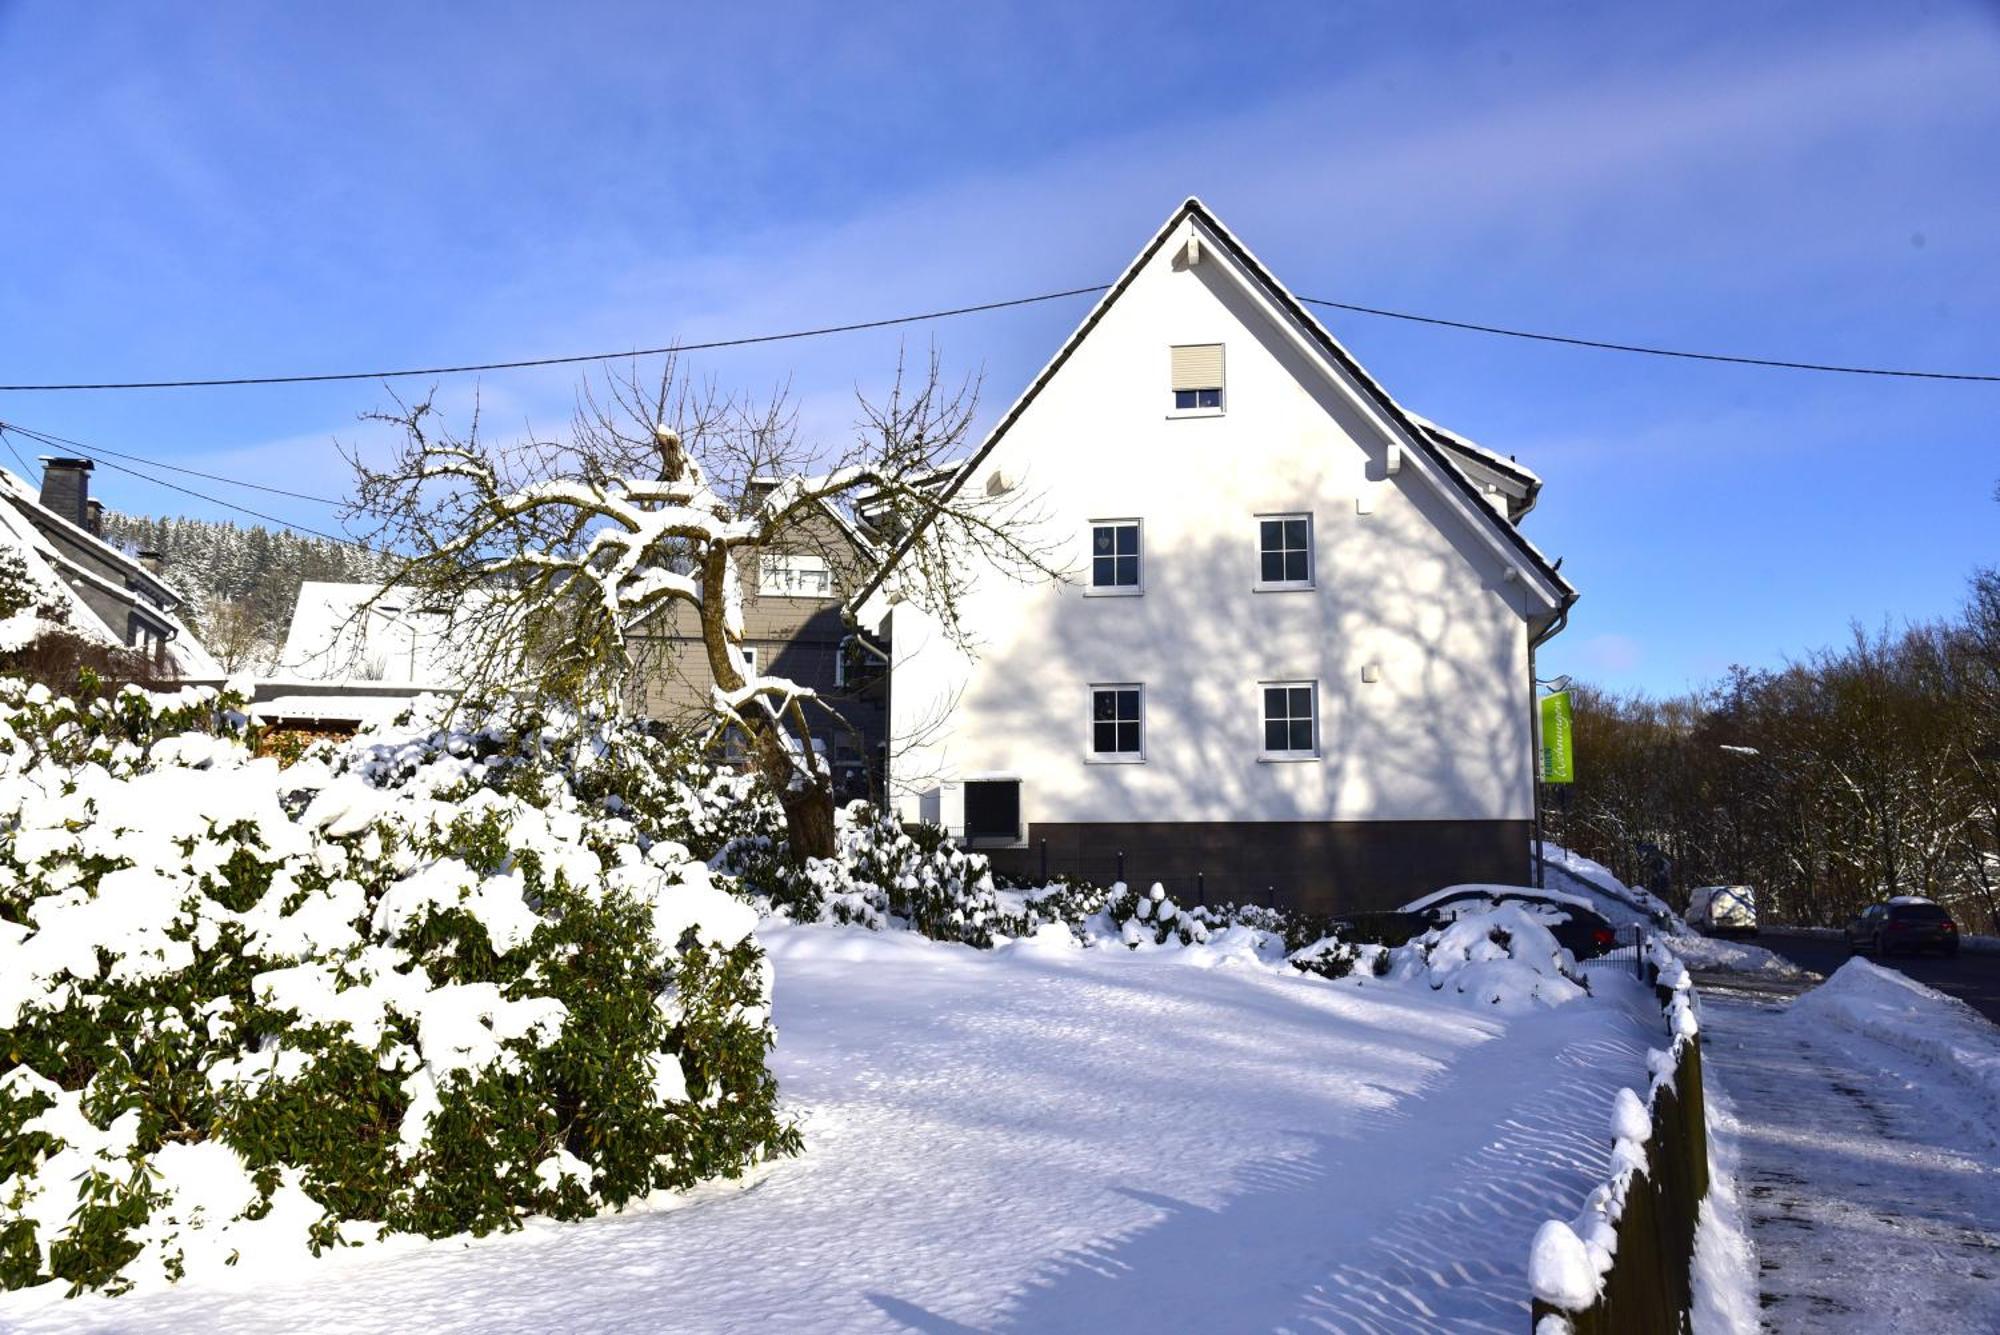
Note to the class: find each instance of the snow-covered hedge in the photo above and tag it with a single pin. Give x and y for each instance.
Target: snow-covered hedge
(427, 983)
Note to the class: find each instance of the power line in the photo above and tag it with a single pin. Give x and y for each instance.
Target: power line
(50, 438)
(1647, 351)
(564, 361)
(14, 428)
(820, 331)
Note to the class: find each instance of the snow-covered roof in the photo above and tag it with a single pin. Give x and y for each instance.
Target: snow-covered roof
(1504, 463)
(335, 636)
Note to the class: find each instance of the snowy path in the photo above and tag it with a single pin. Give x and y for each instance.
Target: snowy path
(1038, 1140)
(1873, 1205)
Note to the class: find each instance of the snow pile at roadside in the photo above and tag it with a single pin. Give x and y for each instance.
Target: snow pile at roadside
(1502, 957)
(1724, 1271)
(1893, 1008)
(1716, 956)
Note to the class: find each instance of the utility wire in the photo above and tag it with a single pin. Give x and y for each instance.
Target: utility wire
(12, 428)
(1439, 321)
(49, 438)
(564, 361)
(1647, 351)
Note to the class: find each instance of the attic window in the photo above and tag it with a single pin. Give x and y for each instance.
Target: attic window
(794, 577)
(1197, 376)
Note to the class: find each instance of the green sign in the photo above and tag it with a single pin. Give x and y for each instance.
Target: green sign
(1558, 761)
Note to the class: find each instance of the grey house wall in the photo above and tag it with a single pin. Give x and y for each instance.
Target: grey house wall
(796, 638)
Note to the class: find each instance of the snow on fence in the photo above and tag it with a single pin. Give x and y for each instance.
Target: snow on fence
(1625, 1264)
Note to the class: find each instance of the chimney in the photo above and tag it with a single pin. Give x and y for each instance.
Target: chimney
(93, 510)
(153, 561)
(66, 488)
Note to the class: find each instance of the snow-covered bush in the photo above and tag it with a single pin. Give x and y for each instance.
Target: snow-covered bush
(885, 875)
(427, 983)
(1333, 957)
(1503, 956)
(1127, 915)
(920, 876)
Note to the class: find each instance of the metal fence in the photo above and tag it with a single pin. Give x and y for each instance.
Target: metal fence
(1629, 954)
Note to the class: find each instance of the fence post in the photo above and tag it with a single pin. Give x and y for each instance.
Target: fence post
(1200, 890)
(1045, 862)
(1121, 864)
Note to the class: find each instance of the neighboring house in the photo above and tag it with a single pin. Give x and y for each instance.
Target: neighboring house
(335, 635)
(112, 596)
(1296, 657)
(792, 627)
(346, 663)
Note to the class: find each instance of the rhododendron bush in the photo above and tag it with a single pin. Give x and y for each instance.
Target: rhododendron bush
(430, 981)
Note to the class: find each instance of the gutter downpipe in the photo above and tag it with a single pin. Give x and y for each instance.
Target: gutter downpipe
(1554, 629)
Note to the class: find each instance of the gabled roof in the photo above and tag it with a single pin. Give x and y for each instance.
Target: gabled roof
(1521, 553)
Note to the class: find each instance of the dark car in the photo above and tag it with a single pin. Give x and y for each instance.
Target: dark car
(1576, 926)
(1906, 924)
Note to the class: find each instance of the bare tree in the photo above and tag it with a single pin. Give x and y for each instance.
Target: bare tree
(546, 559)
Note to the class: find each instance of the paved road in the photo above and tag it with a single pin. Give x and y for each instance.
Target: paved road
(1972, 978)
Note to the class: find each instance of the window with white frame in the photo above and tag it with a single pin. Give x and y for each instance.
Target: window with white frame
(749, 652)
(1197, 377)
(1284, 552)
(793, 576)
(1291, 720)
(1114, 556)
(1117, 722)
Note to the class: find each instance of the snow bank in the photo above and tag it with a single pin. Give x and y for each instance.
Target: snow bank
(1716, 956)
(1724, 1272)
(1893, 1008)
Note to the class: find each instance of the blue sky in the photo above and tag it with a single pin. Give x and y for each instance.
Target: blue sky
(220, 189)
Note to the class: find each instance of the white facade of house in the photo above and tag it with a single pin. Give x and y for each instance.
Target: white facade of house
(1413, 631)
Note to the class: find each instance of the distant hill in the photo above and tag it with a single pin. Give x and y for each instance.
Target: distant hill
(241, 580)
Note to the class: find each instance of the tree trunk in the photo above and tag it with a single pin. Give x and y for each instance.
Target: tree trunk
(808, 803)
(809, 821)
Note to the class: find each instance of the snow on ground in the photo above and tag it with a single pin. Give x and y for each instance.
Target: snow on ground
(1047, 1138)
(1871, 1183)
(1724, 1269)
(1711, 955)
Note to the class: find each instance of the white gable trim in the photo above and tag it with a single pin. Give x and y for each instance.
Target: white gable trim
(1190, 222)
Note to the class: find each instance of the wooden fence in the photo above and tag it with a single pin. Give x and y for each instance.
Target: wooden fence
(1651, 1209)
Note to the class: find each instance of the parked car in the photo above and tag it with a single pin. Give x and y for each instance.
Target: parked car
(1723, 910)
(1574, 922)
(1907, 923)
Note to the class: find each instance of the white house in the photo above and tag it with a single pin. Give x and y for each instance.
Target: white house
(1295, 657)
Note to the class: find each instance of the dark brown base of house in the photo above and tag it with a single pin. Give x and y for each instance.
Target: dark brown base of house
(1319, 867)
